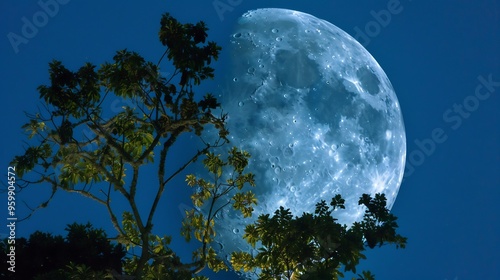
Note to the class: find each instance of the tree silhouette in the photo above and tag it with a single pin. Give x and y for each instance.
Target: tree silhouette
(45, 256)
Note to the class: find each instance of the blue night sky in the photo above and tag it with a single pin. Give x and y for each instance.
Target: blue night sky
(442, 58)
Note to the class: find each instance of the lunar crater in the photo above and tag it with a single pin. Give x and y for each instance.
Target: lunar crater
(316, 112)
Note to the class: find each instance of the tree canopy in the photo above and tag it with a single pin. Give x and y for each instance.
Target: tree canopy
(85, 251)
(314, 245)
(78, 146)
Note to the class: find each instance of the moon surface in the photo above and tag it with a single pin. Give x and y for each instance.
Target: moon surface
(316, 112)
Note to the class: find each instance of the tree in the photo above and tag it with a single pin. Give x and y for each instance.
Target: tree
(45, 256)
(78, 148)
(315, 246)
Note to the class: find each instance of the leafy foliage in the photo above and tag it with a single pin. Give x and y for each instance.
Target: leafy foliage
(85, 251)
(315, 246)
(228, 181)
(77, 146)
(182, 43)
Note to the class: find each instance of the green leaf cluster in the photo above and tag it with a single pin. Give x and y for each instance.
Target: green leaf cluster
(315, 246)
(33, 156)
(225, 187)
(163, 264)
(132, 235)
(182, 42)
(71, 92)
(34, 127)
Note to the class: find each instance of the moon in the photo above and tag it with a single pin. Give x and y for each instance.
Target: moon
(316, 112)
